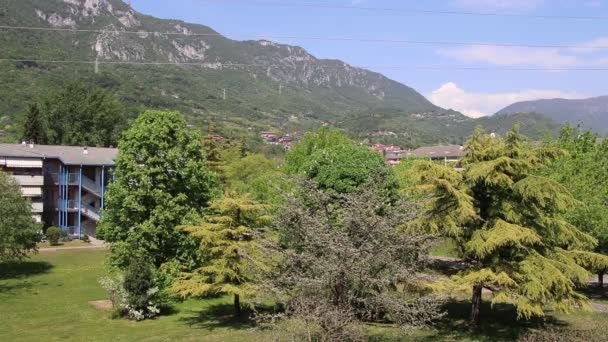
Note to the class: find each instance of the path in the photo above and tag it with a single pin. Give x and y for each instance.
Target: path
(94, 244)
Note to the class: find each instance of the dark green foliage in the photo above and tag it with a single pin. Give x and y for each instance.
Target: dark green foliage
(53, 234)
(139, 279)
(85, 115)
(336, 163)
(344, 168)
(35, 126)
(18, 232)
(161, 181)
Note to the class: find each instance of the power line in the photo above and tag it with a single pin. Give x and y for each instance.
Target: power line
(146, 34)
(343, 66)
(406, 10)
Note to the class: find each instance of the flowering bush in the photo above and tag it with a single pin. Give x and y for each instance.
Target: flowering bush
(133, 294)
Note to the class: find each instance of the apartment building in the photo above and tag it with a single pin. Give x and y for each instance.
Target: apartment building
(66, 184)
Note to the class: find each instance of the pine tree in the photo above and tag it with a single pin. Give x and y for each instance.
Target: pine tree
(510, 225)
(229, 242)
(34, 128)
(213, 150)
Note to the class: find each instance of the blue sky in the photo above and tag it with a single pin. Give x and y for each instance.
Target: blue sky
(473, 92)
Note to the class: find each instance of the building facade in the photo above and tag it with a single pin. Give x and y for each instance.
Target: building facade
(65, 184)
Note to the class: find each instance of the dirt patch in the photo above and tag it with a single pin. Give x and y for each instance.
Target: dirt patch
(599, 307)
(102, 304)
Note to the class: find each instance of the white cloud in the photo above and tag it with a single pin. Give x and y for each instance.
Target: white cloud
(492, 5)
(588, 46)
(593, 4)
(475, 105)
(513, 56)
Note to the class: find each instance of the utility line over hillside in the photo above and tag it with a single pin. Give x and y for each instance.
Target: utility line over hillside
(147, 34)
(402, 10)
(343, 66)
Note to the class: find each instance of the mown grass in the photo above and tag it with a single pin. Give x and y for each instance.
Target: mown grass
(47, 298)
(73, 243)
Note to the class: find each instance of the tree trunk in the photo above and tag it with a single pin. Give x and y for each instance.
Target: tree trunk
(237, 305)
(600, 279)
(476, 305)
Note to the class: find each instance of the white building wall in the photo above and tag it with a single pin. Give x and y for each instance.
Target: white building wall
(24, 163)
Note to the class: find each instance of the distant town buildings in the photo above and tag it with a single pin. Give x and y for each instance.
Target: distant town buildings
(285, 140)
(394, 154)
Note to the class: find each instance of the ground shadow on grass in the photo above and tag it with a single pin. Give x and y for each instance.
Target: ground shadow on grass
(498, 323)
(218, 316)
(593, 292)
(17, 270)
(20, 271)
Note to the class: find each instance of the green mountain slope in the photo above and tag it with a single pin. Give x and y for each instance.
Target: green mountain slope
(238, 85)
(533, 125)
(591, 113)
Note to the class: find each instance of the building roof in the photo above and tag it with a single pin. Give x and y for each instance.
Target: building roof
(439, 151)
(69, 155)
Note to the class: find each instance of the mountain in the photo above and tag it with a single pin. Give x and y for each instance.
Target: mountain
(591, 113)
(533, 125)
(239, 86)
(266, 85)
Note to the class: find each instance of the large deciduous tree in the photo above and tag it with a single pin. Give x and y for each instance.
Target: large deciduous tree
(161, 180)
(257, 176)
(233, 258)
(585, 173)
(510, 225)
(82, 115)
(18, 232)
(346, 261)
(336, 163)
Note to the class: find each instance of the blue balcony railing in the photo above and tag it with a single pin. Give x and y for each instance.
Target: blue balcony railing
(72, 178)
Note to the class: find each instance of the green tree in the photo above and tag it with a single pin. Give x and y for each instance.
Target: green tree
(82, 115)
(18, 232)
(509, 225)
(344, 168)
(343, 256)
(257, 176)
(161, 180)
(311, 143)
(228, 240)
(585, 175)
(336, 163)
(35, 126)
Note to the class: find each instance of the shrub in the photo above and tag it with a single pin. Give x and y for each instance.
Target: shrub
(85, 238)
(142, 295)
(114, 286)
(65, 237)
(53, 234)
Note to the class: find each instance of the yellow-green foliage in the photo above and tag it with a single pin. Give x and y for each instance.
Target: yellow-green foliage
(511, 224)
(229, 243)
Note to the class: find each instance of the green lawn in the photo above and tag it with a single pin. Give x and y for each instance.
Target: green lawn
(73, 243)
(47, 298)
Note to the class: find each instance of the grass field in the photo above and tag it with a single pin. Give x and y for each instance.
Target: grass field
(73, 243)
(47, 298)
